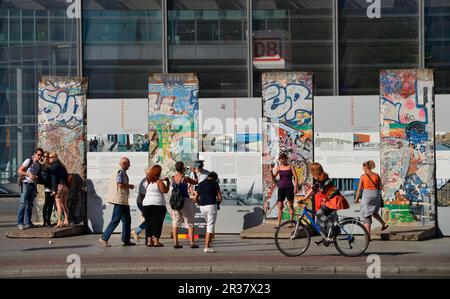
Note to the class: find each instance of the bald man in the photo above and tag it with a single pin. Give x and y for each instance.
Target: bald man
(119, 191)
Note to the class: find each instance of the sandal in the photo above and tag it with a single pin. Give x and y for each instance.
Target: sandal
(177, 246)
(158, 245)
(194, 246)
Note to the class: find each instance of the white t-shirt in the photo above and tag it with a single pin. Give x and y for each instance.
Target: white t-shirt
(201, 176)
(153, 196)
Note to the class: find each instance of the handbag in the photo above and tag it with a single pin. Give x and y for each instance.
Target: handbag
(378, 188)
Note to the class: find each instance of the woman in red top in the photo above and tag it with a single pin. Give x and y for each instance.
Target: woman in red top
(327, 199)
(371, 201)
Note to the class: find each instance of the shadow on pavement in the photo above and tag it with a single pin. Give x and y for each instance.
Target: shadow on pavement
(57, 247)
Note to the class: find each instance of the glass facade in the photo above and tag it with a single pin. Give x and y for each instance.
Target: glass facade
(118, 43)
(36, 38)
(302, 31)
(121, 46)
(368, 45)
(209, 38)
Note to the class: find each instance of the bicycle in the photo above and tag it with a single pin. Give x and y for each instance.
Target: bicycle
(348, 235)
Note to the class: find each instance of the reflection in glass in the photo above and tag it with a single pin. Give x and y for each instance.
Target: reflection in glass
(437, 43)
(294, 36)
(121, 47)
(368, 45)
(208, 38)
(36, 39)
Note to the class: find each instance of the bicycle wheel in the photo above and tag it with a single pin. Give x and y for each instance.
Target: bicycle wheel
(352, 239)
(291, 241)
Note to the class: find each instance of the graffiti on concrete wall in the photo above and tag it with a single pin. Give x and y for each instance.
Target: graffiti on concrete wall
(407, 145)
(288, 119)
(61, 129)
(173, 113)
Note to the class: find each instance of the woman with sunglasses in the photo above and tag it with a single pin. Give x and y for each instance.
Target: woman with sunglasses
(49, 197)
(60, 183)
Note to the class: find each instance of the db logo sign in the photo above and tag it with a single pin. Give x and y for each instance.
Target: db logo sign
(267, 47)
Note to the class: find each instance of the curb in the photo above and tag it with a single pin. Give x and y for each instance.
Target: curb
(46, 271)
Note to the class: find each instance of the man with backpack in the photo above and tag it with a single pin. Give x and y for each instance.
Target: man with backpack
(29, 173)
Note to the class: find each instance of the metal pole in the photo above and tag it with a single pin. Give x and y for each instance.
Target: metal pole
(249, 49)
(80, 41)
(422, 34)
(335, 48)
(165, 44)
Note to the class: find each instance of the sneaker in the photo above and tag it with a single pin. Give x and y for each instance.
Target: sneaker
(194, 246)
(177, 246)
(209, 250)
(20, 226)
(28, 226)
(103, 243)
(135, 236)
(128, 244)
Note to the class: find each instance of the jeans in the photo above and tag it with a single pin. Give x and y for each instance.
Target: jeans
(120, 213)
(143, 224)
(26, 202)
(48, 207)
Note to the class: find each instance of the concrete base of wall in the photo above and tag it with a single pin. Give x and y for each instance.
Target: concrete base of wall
(47, 232)
(265, 230)
(398, 233)
(405, 233)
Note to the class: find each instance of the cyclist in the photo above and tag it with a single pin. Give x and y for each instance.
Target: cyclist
(327, 199)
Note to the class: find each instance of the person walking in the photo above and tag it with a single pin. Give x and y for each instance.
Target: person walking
(28, 178)
(154, 205)
(49, 197)
(119, 190)
(286, 189)
(186, 214)
(60, 188)
(370, 184)
(209, 197)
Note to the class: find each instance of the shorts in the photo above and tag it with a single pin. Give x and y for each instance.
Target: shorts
(284, 193)
(209, 212)
(62, 192)
(185, 215)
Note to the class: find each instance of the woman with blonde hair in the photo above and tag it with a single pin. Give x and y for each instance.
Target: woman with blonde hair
(327, 199)
(60, 184)
(370, 183)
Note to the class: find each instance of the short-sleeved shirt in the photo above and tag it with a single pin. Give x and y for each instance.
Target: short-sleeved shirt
(33, 168)
(122, 177)
(141, 191)
(203, 175)
(207, 191)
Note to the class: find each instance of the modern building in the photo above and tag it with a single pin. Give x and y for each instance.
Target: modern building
(228, 43)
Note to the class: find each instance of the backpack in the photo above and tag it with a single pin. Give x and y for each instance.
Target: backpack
(176, 198)
(21, 177)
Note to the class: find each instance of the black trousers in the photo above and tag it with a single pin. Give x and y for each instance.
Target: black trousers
(48, 207)
(154, 218)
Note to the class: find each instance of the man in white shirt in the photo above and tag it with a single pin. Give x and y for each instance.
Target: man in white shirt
(28, 177)
(202, 173)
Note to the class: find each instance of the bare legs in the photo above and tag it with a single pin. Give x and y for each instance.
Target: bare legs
(379, 219)
(280, 205)
(190, 234)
